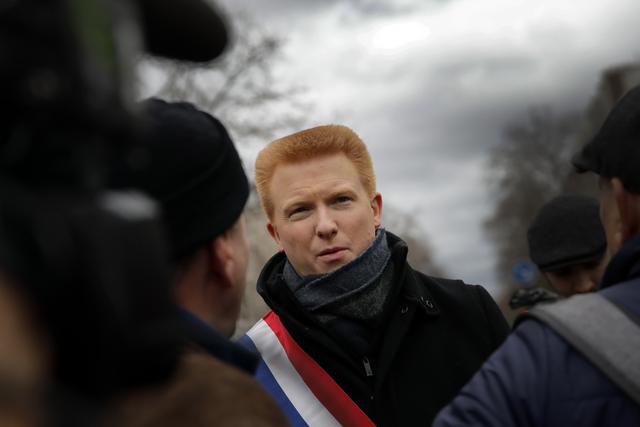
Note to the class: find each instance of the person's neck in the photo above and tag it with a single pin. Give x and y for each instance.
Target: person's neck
(195, 292)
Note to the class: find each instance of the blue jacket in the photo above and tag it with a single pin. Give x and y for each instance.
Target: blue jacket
(537, 379)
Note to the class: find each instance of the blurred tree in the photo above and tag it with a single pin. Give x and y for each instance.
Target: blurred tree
(527, 168)
(240, 88)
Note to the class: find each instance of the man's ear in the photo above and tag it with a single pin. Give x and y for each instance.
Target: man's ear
(376, 206)
(628, 208)
(273, 232)
(222, 259)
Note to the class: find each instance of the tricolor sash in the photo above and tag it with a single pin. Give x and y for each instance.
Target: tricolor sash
(302, 389)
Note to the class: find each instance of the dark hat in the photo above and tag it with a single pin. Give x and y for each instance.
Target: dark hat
(566, 231)
(187, 162)
(189, 30)
(615, 150)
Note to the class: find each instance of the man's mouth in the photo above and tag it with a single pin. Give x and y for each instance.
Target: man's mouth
(332, 254)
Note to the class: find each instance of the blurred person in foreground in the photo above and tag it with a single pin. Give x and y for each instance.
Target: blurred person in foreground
(567, 243)
(89, 322)
(356, 336)
(537, 378)
(74, 257)
(193, 169)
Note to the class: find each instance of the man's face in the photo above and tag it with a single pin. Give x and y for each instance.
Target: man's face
(323, 217)
(578, 278)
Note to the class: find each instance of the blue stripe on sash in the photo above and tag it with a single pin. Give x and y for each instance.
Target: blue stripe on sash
(265, 378)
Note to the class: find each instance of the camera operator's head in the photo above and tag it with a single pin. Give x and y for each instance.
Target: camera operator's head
(194, 171)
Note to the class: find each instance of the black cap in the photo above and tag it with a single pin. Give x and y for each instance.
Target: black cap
(566, 231)
(187, 162)
(189, 30)
(615, 150)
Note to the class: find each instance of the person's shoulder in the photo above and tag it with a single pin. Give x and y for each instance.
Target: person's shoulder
(625, 294)
(454, 290)
(204, 391)
(470, 304)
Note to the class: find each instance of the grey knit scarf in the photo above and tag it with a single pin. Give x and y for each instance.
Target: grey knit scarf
(351, 301)
(317, 291)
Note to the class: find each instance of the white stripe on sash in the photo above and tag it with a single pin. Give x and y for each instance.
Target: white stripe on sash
(301, 397)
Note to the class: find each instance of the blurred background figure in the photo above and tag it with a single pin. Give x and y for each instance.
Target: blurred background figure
(568, 245)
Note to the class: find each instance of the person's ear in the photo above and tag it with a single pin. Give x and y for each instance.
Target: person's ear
(376, 207)
(273, 232)
(222, 259)
(628, 209)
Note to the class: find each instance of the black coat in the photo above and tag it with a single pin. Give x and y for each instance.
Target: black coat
(438, 332)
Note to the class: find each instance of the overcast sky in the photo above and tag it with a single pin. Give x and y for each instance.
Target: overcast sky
(429, 85)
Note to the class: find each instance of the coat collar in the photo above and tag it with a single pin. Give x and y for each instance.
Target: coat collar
(413, 289)
(625, 265)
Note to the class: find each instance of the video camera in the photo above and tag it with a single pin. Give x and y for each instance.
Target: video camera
(92, 261)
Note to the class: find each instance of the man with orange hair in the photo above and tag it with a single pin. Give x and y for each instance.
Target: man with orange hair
(355, 336)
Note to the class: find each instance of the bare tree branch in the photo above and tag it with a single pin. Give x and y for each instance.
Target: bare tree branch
(240, 88)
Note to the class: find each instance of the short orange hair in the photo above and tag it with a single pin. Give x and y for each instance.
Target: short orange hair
(308, 144)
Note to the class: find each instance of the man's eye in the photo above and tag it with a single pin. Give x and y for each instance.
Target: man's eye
(297, 211)
(343, 199)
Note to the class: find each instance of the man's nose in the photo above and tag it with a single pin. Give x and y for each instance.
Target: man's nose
(326, 227)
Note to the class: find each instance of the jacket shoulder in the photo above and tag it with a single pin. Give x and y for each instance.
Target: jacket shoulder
(472, 304)
(454, 290)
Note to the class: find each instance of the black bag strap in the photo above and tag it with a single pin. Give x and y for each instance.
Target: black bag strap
(601, 332)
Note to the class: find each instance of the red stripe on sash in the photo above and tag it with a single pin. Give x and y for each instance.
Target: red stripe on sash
(326, 390)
